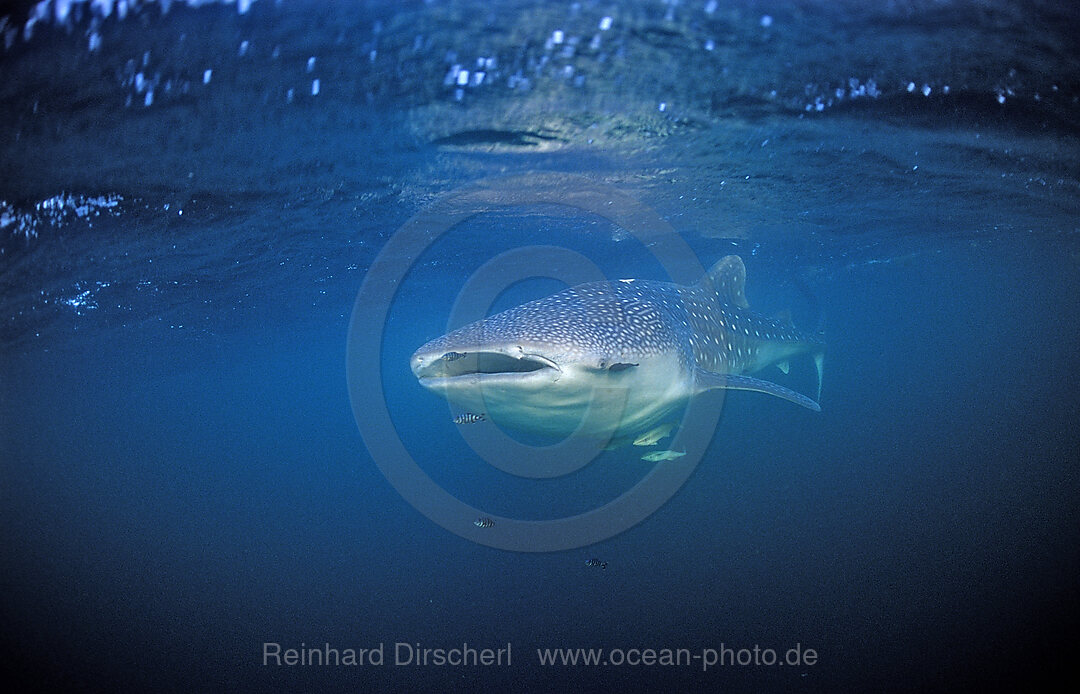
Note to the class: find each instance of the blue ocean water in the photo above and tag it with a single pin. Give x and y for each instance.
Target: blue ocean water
(194, 195)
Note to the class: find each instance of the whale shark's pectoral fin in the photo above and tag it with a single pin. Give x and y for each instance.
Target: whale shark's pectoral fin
(707, 380)
(819, 362)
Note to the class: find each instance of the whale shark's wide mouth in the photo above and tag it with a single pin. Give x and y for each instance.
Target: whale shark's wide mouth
(447, 366)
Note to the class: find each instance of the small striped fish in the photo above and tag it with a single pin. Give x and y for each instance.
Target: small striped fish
(483, 522)
(469, 418)
(596, 562)
(453, 356)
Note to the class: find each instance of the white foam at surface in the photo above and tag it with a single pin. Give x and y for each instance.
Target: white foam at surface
(61, 10)
(40, 11)
(451, 75)
(55, 211)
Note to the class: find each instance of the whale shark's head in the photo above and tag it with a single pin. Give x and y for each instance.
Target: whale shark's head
(613, 346)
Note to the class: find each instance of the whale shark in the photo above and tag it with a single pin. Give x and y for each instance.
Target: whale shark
(615, 359)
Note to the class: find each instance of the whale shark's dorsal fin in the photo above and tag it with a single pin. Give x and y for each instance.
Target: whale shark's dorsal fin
(728, 279)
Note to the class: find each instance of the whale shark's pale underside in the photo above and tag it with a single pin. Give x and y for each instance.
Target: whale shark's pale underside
(614, 359)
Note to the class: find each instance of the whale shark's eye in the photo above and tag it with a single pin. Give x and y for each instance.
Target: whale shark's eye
(621, 366)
